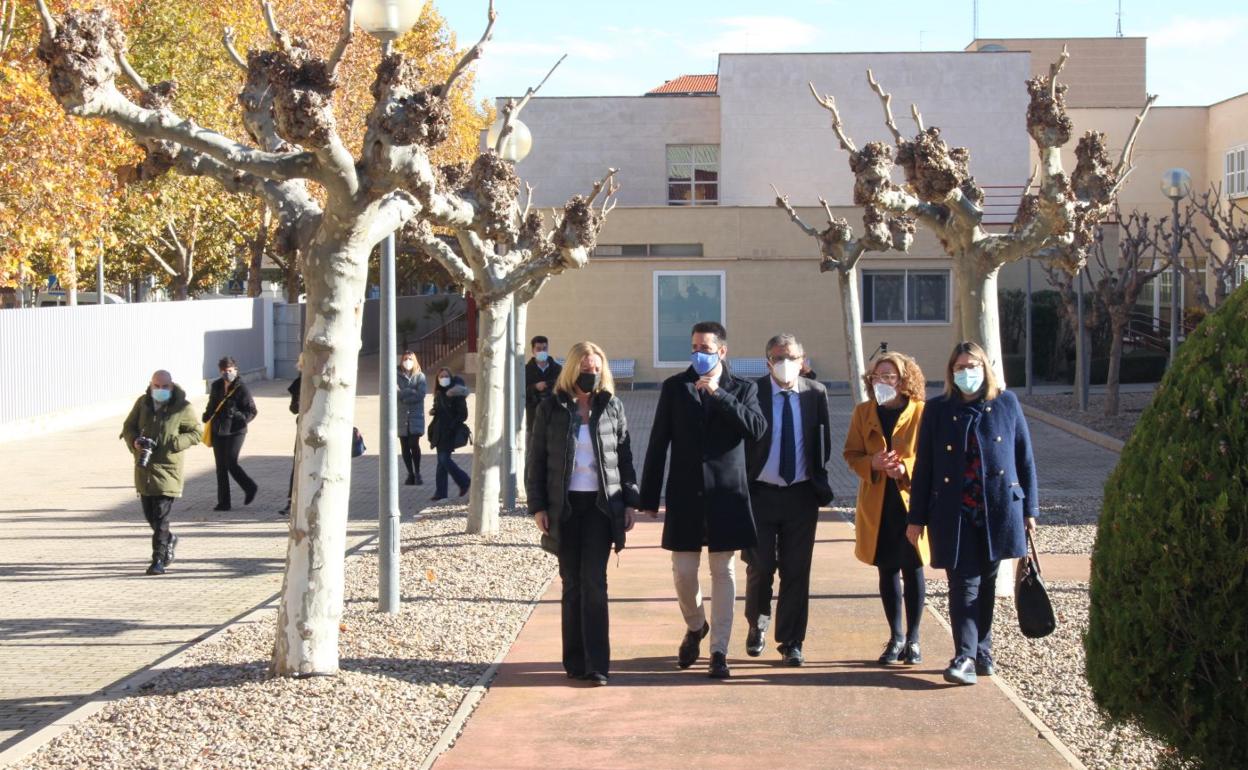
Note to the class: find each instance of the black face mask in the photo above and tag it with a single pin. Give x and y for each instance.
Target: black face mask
(587, 382)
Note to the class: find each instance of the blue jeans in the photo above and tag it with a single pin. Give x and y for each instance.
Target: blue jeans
(446, 465)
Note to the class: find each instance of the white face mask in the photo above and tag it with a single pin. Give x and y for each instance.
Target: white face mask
(786, 371)
(409, 365)
(231, 375)
(884, 392)
(444, 382)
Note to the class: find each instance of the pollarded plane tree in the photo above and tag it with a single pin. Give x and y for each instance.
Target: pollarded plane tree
(840, 252)
(1055, 223)
(1222, 252)
(288, 112)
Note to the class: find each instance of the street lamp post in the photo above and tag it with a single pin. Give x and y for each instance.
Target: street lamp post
(386, 20)
(514, 148)
(1176, 184)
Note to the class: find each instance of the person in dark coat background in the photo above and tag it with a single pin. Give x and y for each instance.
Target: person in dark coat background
(582, 490)
(447, 428)
(411, 419)
(705, 415)
(230, 408)
(540, 375)
(788, 482)
(975, 490)
(293, 389)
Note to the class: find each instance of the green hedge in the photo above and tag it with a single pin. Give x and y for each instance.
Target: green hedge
(1167, 641)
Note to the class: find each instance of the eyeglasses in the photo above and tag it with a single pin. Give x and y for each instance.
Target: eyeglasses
(964, 367)
(778, 359)
(889, 378)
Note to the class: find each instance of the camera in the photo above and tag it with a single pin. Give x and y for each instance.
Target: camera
(146, 446)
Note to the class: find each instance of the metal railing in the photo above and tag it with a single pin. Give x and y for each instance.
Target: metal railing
(438, 345)
(1147, 331)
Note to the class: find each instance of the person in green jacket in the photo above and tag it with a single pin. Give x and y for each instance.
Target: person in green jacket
(163, 422)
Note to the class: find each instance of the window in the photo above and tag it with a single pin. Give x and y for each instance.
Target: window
(681, 299)
(1236, 183)
(649, 250)
(905, 296)
(692, 174)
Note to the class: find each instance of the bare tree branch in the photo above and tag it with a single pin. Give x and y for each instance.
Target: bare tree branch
(887, 100)
(472, 54)
(165, 265)
(228, 39)
(918, 117)
(1125, 165)
(49, 23)
(511, 110)
(344, 37)
(1055, 69)
(134, 77)
(829, 103)
(270, 20)
(782, 201)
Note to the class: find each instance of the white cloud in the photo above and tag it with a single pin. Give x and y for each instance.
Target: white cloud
(1194, 32)
(752, 34)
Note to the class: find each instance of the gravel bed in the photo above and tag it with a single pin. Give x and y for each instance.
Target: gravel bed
(1048, 674)
(402, 679)
(1065, 527)
(1130, 407)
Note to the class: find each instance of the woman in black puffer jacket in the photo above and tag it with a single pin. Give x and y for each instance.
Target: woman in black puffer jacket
(583, 492)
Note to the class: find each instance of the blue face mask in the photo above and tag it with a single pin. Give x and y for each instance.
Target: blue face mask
(161, 395)
(969, 380)
(703, 363)
(541, 356)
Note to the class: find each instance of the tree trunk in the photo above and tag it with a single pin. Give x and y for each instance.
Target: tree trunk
(1118, 325)
(312, 590)
(521, 349)
(488, 439)
(851, 310)
(258, 244)
(291, 280)
(978, 316)
(71, 291)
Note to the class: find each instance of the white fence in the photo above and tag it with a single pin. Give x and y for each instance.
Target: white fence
(61, 366)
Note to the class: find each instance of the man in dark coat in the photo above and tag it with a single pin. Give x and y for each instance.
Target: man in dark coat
(788, 482)
(705, 415)
(540, 374)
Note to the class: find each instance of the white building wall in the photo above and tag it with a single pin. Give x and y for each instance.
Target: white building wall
(576, 139)
(775, 133)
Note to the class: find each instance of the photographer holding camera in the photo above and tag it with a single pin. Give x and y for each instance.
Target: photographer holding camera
(160, 426)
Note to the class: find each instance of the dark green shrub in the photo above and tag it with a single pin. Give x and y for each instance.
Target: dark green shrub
(1167, 641)
(1137, 366)
(1015, 365)
(1046, 332)
(1012, 312)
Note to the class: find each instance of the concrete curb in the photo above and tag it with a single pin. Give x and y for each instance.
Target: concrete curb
(1074, 429)
(1041, 728)
(473, 697)
(131, 684)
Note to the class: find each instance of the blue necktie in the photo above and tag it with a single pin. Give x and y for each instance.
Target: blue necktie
(788, 441)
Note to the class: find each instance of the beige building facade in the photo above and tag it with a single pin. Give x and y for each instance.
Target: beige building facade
(696, 234)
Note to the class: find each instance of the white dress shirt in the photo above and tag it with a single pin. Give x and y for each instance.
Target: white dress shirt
(771, 471)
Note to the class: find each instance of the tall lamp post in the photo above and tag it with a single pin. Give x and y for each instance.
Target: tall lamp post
(514, 148)
(1176, 184)
(387, 20)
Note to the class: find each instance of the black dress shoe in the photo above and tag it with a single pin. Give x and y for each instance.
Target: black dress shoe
(157, 567)
(596, 679)
(985, 665)
(575, 675)
(221, 507)
(436, 498)
(912, 655)
(754, 642)
(892, 652)
(169, 549)
(961, 671)
(793, 654)
(411, 480)
(250, 494)
(419, 481)
(691, 646)
(719, 666)
(464, 489)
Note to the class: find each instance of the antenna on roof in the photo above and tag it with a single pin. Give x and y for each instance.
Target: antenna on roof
(1119, 18)
(975, 19)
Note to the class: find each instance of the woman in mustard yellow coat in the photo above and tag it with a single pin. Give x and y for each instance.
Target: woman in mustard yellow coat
(880, 448)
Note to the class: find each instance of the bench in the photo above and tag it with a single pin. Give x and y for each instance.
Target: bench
(748, 368)
(621, 368)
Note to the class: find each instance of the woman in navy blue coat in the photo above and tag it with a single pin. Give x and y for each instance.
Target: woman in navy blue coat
(975, 490)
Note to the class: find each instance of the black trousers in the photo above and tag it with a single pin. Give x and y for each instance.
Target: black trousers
(225, 451)
(156, 510)
(584, 550)
(893, 598)
(787, 518)
(409, 450)
(973, 595)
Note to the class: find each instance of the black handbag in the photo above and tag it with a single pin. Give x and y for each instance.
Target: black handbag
(1031, 598)
(463, 435)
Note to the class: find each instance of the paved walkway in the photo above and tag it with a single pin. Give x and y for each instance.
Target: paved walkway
(840, 710)
(77, 614)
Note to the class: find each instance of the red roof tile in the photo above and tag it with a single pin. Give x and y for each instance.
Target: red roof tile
(688, 84)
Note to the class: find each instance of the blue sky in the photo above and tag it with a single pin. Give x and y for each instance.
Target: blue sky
(1195, 49)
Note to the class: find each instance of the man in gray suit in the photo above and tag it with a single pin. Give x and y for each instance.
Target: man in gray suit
(788, 484)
